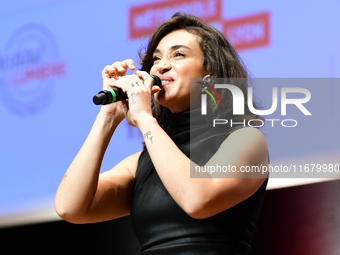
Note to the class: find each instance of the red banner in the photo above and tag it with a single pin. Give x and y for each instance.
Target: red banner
(145, 18)
(248, 32)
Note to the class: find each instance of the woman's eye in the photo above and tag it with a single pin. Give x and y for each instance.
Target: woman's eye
(156, 58)
(179, 54)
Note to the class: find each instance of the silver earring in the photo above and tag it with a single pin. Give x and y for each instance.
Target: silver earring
(206, 79)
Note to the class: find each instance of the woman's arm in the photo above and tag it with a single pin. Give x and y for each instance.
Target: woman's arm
(207, 196)
(83, 196)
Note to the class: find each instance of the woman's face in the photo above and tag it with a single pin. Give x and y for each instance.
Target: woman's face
(177, 59)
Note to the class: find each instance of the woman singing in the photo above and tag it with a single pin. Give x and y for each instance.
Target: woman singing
(172, 209)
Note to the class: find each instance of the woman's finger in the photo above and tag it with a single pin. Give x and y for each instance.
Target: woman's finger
(107, 71)
(128, 63)
(148, 81)
(123, 66)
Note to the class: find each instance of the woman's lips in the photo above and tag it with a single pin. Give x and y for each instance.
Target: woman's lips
(164, 83)
(166, 80)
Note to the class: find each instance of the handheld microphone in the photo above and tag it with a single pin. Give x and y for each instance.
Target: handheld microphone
(116, 94)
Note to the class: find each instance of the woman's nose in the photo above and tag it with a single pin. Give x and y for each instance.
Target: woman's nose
(163, 66)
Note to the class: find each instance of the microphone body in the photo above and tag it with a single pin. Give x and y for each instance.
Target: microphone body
(116, 94)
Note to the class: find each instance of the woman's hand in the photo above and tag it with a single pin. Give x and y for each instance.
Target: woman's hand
(111, 74)
(116, 70)
(138, 88)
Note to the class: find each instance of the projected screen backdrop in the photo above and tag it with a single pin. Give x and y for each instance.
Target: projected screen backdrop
(51, 57)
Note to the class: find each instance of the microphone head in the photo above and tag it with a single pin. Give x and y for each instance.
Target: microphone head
(156, 80)
(100, 98)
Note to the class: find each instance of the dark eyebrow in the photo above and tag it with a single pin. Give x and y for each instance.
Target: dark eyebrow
(174, 47)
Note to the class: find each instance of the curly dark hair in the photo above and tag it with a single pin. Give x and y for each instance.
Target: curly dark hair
(220, 61)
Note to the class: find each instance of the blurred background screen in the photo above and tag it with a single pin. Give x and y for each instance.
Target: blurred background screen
(51, 57)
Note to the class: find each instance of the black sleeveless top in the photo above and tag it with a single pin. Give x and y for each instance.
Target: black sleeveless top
(163, 228)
